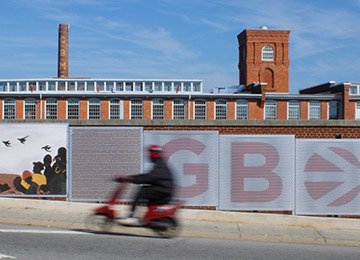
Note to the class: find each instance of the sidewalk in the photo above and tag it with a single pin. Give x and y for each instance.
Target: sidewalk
(195, 223)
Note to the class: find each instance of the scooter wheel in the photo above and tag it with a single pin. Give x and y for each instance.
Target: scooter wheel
(98, 222)
(167, 227)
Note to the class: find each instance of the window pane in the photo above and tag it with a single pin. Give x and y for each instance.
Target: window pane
(136, 109)
(94, 109)
(73, 109)
(115, 109)
(138, 86)
(51, 85)
(314, 110)
(268, 53)
(270, 110)
(9, 109)
(158, 109)
(179, 109)
(30, 109)
(334, 110)
(354, 90)
(187, 86)
(167, 86)
(294, 110)
(200, 109)
(220, 109)
(241, 109)
(158, 86)
(51, 109)
(196, 87)
(90, 86)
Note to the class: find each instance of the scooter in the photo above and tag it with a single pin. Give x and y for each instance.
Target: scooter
(159, 218)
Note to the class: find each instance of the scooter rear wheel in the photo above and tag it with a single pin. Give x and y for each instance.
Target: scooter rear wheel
(167, 227)
(98, 222)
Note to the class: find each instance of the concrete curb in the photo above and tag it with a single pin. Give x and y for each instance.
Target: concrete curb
(197, 215)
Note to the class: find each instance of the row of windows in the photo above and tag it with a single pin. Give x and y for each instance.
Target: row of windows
(148, 86)
(158, 109)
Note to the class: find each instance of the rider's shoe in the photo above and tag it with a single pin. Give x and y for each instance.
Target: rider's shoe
(129, 221)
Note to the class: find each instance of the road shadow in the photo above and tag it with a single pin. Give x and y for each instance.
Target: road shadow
(120, 234)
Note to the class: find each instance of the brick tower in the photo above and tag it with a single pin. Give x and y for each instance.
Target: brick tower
(264, 58)
(63, 62)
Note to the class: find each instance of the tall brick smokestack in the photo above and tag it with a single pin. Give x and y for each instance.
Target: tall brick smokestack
(63, 62)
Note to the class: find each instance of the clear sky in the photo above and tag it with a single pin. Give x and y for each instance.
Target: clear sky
(177, 39)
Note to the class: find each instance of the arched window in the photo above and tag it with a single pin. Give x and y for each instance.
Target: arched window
(242, 109)
(158, 110)
(51, 108)
(314, 110)
(115, 109)
(270, 110)
(267, 53)
(293, 110)
(136, 109)
(220, 109)
(200, 109)
(9, 108)
(73, 108)
(94, 109)
(30, 108)
(179, 109)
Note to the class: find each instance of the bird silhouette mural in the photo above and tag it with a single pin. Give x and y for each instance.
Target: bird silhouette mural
(47, 148)
(23, 139)
(7, 143)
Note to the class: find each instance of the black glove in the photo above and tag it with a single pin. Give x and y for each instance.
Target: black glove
(122, 179)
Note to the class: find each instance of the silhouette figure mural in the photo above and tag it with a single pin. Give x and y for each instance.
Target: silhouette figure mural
(33, 159)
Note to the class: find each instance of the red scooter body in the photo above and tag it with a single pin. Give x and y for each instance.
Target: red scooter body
(160, 218)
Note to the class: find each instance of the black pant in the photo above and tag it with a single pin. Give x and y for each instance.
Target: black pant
(149, 195)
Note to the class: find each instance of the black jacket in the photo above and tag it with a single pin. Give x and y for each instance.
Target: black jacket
(160, 178)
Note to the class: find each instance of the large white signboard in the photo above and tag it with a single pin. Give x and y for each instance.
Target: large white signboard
(328, 177)
(193, 157)
(256, 172)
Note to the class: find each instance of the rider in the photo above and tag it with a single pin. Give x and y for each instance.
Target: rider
(160, 184)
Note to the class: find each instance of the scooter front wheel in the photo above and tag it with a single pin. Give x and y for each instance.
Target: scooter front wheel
(98, 222)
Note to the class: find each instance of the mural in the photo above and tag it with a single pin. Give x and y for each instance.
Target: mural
(33, 159)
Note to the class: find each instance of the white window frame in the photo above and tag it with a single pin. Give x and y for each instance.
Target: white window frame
(158, 109)
(30, 108)
(242, 109)
(200, 109)
(267, 53)
(9, 108)
(220, 109)
(136, 109)
(314, 110)
(51, 108)
(179, 109)
(115, 109)
(270, 110)
(94, 108)
(73, 108)
(354, 90)
(293, 105)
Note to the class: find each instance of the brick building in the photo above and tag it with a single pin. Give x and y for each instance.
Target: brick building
(262, 92)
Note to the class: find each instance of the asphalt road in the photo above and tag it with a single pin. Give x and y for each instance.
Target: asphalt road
(25, 242)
